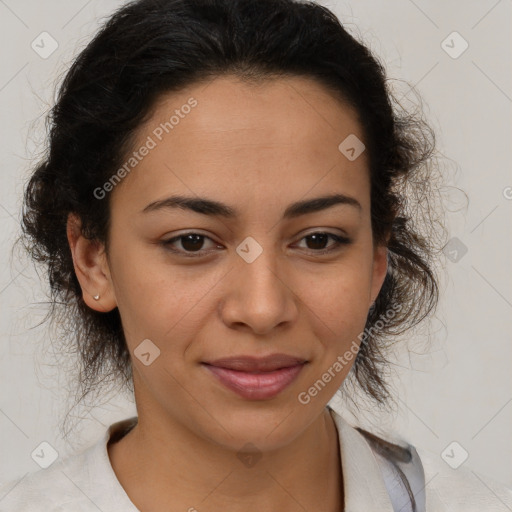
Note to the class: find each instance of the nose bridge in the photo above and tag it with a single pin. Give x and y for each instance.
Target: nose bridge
(258, 269)
(258, 295)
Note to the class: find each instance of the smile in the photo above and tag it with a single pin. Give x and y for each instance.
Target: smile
(256, 385)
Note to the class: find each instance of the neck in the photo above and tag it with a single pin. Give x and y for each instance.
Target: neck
(162, 463)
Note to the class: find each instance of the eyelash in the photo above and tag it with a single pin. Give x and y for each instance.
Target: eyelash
(340, 241)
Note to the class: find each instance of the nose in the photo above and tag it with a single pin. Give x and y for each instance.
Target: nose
(258, 296)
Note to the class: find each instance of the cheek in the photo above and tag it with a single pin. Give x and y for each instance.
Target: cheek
(337, 314)
(337, 309)
(159, 301)
(339, 295)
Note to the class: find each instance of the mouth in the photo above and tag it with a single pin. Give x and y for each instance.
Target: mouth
(256, 378)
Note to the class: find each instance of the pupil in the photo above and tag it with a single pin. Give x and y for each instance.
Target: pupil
(192, 242)
(316, 238)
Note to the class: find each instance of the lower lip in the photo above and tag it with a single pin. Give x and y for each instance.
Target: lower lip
(256, 386)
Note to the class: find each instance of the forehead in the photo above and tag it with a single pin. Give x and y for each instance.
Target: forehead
(228, 138)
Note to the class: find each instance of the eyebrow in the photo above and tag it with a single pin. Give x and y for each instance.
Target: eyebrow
(213, 208)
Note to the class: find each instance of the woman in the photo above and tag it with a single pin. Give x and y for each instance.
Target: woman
(224, 214)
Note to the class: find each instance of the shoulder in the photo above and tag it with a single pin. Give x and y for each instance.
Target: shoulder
(433, 481)
(50, 489)
(439, 485)
(462, 488)
(83, 482)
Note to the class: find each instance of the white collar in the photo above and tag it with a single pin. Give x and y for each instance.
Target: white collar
(363, 483)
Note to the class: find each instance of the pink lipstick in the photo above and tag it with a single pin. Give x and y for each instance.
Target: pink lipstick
(256, 378)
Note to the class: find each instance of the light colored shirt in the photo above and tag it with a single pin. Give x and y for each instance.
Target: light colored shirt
(86, 482)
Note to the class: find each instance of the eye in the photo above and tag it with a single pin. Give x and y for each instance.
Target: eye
(192, 244)
(319, 238)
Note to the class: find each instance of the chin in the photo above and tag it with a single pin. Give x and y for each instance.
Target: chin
(264, 424)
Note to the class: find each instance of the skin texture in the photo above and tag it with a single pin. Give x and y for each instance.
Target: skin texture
(257, 148)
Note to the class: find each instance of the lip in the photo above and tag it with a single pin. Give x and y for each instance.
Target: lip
(257, 364)
(256, 378)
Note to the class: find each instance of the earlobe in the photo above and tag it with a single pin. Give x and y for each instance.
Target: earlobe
(91, 268)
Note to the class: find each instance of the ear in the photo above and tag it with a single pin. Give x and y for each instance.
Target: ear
(91, 267)
(380, 268)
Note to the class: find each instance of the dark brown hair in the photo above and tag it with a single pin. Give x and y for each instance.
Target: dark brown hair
(148, 48)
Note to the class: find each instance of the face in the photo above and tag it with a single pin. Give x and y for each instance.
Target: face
(262, 270)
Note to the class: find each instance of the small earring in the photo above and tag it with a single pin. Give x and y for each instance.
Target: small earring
(96, 297)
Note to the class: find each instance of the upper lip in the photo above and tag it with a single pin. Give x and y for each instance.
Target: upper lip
(257, 364)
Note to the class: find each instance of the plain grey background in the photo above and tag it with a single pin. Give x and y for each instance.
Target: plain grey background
(454, 386)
